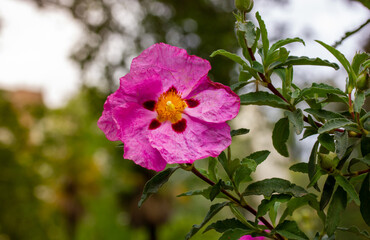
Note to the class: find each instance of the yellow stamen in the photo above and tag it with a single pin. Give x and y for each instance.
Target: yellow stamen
(170, 106)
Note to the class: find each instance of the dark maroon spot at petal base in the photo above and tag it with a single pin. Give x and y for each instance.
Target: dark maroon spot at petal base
(150, 105)
(180, 126)
(154, 124)
(172, 89)
(192, 103)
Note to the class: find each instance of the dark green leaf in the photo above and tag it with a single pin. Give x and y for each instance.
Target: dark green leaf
(341, 143)
(229, 166)
(239, 85)
(299, 167)
(226, 224)
(365, 146)
(358, 59)
(309, 132)
(211, 213)
(326, 140)
(355, 230)
(348, 187)
(154, 184)
(204, 192)
(296, 118)
(284, 42)
(321, 89)
(336, 207)
(312, 163)
(316, 177)
(259, 156)
(263, 98)
(280, 136)
(327, 191)
(276, 58)
(294, 60)
(320, 113)
(235, 234)
(359, 101)
(212, 169)
(240, 131)
(267, 187)
(248, 29)
(257, 66)
(365, 199)
(290, 230)
(264, 37)
(215, 190)
(267, 204)
(334, 124)
(242, 174)
(229, 55)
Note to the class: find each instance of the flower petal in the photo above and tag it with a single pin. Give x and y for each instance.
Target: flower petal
(133, 122)
(106, 123)
(186, 69)
(217, 103)
(199, 140)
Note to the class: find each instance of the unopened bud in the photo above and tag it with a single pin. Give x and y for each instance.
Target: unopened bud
(244, 5)
(363, 81)
(328, 161)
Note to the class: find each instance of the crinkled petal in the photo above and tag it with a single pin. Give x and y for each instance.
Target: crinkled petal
(186, 69)
(199, 140)
(106, 123)
(134, 122)
(217, 103)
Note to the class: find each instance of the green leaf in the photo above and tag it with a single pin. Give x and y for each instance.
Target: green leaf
(312, 163)
(212, 169)
(290, 230)
(321, 113)
(229, 55)
(211, 213)
(309, 132)
(327, 191)
(265, 40)
(296, 118)
(155, 183)
(235, 234)
(348, 187)
(342, 59)
(284, 42)
(337, 206)
(276, 58)
(229, 166)
(295, 60)
(358, 59)
(296, 203)
(359, 101)
(203, 192)
(365, 199)
(327, 141)
(259, 156)
(215, 190)
(257, 66)
(321, 89)
(341, 143)
(365, 146)
(267, 204)
(263, 98)
(355, 230)
(334, 124)
(226, 224)
(249, 32)
(267, 187)
(242, 174)
(316, 177)
(239, 85)
(299, 167)
(240, 131)
(280, 136)
(244, 76)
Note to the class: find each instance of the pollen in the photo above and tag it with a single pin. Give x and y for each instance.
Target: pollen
(170, 106)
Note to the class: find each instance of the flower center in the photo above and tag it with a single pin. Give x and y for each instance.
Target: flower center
(170, 106)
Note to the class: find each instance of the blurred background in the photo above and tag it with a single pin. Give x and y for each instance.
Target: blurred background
(60, 178)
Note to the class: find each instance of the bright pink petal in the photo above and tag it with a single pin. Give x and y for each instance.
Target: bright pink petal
(186, 69)
(249, 237)
(106, 123)
(217, 103)
(199, 140)
(133, 122)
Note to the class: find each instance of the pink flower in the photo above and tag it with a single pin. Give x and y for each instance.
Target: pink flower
(167, 110)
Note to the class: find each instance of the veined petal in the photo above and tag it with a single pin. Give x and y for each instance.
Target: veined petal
(133, 122)
(217, 103)
(186, 69)
(199, 140)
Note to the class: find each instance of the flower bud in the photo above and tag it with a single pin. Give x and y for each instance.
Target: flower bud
(244, 5)
(328, 161)
(363, 81)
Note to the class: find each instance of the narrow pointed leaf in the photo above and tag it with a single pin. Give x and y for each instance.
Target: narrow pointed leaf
(321, 113)
(267, 187)
(296, 118)
(290, 230)
(229, 55)
(267, 204)
(312, 163)
(299, 167)
(235, 233)
(336, 207)
(259, 156)
(365, 199)
(280, 136)
(155, 183)
(327, 191)
(295, 60)
(334, 124)
(226, 224)
(265, 40)
(284, 42)
(321, 89)
(353, 229)
(263, 98)
(359, 101)
(348, 187)
(240, 131)
(326, 140)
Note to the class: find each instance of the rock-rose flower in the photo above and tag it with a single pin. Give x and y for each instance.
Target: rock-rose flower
(167, 110)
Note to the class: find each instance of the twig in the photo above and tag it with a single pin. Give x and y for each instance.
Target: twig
(348, 34)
